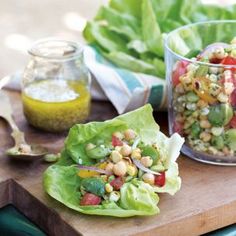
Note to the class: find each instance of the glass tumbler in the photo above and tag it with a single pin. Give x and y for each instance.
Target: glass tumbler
(201, 77)
(56, 86)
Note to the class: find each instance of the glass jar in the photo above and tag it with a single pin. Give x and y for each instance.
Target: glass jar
(56, 86)
(201, 76)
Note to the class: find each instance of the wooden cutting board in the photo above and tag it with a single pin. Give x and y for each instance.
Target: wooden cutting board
(207, 199)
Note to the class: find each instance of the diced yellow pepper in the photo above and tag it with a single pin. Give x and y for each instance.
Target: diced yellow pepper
(90, 173)
(87, 173)
(102, 165)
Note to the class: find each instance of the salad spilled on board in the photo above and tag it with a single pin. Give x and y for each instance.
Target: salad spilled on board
(116, 167)
(204, 100)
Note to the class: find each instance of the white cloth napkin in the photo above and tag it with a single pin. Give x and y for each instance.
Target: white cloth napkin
(125, 89)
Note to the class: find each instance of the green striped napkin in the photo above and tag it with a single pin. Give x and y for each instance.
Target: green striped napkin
(126, 90)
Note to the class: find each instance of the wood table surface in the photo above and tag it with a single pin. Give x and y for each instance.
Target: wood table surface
(206, 201)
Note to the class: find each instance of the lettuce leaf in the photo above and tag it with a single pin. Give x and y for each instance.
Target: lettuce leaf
(173, 181)
(61, 181)
(151, 32)
(137, 198)
(135, 27)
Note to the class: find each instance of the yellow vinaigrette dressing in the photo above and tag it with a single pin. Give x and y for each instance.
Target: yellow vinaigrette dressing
(56, 105)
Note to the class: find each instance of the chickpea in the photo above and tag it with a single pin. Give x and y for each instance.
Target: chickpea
(205, 124)
(205, 136)
(132, 170)
(90, 146)
(116, 156)
(203, 117)
(109, 167)
(108, 188)
(129, 134)
(219, 53)
(146, 161)
(125, 150)
(136, 153)
(119, 135)
(148, 178)
(120, 168)
(127, 160)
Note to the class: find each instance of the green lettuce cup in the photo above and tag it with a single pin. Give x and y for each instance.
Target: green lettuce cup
(81, 180)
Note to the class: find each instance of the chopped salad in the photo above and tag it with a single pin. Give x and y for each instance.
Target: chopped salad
(116, 167)
(204, 100)
(122, 160)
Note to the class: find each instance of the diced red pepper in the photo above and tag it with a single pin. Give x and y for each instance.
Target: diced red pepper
(160, 180)
(229, 61)
(117, 183)
(232, 122)
(233, 98)
(180, 70)
(90, 199)
(116, 141)
(178, 127)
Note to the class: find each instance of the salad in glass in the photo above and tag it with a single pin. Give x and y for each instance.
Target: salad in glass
(203, 101)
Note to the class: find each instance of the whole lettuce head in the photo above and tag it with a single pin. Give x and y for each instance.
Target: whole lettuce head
(61, 180)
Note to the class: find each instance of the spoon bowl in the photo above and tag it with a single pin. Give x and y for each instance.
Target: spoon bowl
(21, 150)
(35, 151)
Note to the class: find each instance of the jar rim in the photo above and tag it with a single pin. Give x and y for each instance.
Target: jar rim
(180, 57)
(41, 48)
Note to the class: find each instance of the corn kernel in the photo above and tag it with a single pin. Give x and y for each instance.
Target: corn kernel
(108, 188)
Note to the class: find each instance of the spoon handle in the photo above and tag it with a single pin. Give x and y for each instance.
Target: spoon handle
(17, 135)
(6, 113)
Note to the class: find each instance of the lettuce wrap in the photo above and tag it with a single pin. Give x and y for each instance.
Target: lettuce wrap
(63, 182)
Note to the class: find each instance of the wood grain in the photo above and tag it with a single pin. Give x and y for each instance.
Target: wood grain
(207, 199)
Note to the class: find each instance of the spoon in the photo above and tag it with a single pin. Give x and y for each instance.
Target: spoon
(21, 150)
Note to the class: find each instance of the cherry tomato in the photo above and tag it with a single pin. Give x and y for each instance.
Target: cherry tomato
(90, 199)
(116, 141)
(233, 98)
(160, 180)
(232, 122)
(180, 70)
(117, 183)
(178, 127)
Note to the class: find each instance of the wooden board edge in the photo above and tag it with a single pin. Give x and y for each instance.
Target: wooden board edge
(5, 193)
(197, 224)
(47, 219)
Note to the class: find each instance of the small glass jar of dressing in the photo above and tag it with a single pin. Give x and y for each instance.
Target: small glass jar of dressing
(56, 86)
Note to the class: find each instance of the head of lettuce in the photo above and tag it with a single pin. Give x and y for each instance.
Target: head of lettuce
(116, 167)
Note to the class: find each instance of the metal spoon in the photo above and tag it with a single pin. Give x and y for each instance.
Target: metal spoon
(21, 150)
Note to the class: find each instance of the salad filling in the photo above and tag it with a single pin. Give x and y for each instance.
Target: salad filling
(204, 100)
(116, 167)
(120, 161)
